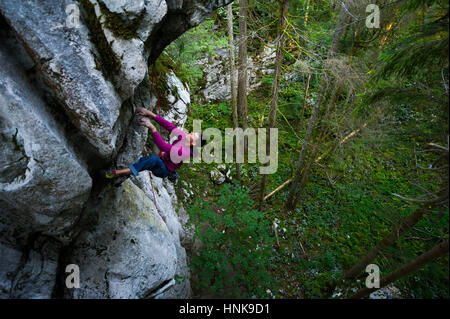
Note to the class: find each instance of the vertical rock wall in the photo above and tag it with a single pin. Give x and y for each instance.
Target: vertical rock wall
(68, 93)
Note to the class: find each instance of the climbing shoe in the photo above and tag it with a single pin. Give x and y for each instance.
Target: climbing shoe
(173, 176)
(107, 174)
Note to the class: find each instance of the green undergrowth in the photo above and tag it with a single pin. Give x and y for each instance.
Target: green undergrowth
(334, 226)
(237, 243)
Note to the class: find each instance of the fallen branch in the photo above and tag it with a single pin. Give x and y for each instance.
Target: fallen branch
(345, 139)
(278, 189)
(438, 146)
(423, 201)
(433, 168)
(419, 238)
(316, 161)
(304, 252)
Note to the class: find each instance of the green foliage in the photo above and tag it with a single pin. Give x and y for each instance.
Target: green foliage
(237, 245)
(424, 47)
(412, 69)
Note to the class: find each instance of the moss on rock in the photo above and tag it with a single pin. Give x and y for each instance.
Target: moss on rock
(108, 62)
(118, 26)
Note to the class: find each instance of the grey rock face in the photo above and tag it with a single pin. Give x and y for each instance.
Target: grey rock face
(171, 216)
(9, 262)
(35, 275)
(217, 85)
(63, 116)
(12, 153)
(44, 181)
(126, 7)
(129, 253)
(64, 56)
(152, 10)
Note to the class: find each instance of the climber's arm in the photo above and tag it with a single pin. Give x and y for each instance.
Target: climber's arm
(171, 128)
(164, 123)
(163, 146)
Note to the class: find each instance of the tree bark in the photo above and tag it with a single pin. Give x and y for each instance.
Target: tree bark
(305, 103)
(275, 87)
(417, 263)
(339, 29)
(232, 65)
(309, 163)
(233, 76)
(242, 78)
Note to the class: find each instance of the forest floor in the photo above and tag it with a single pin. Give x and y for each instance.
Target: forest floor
(347, 205)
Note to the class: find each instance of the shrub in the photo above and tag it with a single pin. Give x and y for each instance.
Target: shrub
(237, 246)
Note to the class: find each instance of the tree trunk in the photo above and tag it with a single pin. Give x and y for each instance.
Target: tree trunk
(275, 87)
(305, 103)
(232, 65)
(309, 163)
(233, 76)
(242, 79)
(340, 27)
(405, 226)
(417, 263)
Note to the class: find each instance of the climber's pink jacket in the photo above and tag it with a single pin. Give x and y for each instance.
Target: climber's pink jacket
(173, 154)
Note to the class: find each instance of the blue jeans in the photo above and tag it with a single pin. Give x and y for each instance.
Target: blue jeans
(152, 163)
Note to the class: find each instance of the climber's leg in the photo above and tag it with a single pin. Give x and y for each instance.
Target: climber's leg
(125, 171)
(110, 174)
(151, 163)
(160, 168)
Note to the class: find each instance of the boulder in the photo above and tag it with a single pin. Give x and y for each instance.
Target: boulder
(29, 273)
(170, 214)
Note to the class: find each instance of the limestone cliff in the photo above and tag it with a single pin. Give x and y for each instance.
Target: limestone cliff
(69, 88)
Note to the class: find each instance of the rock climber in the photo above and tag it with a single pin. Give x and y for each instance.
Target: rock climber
(166, 164)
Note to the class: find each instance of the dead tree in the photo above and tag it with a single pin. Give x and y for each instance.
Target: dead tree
(233, 77)
(294, 197)
(275, 87)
